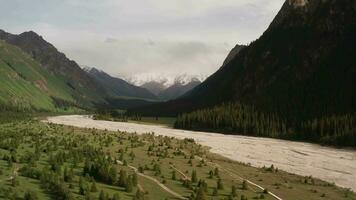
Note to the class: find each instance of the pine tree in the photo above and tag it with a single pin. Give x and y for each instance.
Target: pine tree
(30, 195)
(113, 175)
(139, 195)
(134, 179)
(102, 195)
(93, 187)
(216, 172)
(173, 175)
(233, 191)
(220, 184)
(244, 185)
(116, 196)
(200, 194)
(129, 185)
(215, 192)
(194, 177)
(123, 178)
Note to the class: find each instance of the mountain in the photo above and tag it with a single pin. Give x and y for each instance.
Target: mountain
(234, 51)
(25, 85)
(84, 89)
(165, 90)
(178, 89)
(303, 66)
(117, 87)
(154, 87)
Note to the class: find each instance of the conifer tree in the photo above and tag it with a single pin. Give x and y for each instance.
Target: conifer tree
(134, 179)
(93, 187)
(200, 194)
(123, 178)
(194, 177)
(102, 195)
(220, 184)
(129, 185)
(173, 175)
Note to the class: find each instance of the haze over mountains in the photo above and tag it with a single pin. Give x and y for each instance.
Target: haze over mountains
(118, 87)
(302, 66)
(165, 91)
(44, 78)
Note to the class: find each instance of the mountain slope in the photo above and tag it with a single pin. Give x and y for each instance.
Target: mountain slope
(26, 85)
(302, 67)
(178, 89)
(84, 89)
(154, 87)
(117, 87)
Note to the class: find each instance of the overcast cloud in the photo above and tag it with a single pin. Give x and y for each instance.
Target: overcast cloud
(143, 38)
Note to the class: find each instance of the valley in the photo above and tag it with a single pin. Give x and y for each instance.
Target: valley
(333, 165)
(226, 100)
(43, 160)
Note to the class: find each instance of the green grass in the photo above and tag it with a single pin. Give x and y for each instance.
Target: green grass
(22, 138)
(25, 84)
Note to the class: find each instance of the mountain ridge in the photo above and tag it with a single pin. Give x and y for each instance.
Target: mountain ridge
(84, 88)
(291, 69)
(117, 87)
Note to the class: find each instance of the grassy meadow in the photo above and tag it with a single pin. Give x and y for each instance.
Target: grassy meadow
(47, 161)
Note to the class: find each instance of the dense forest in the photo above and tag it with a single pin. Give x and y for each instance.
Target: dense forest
(235, 118)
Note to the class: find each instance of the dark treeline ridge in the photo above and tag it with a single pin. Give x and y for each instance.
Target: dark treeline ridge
(114, 115)
(236, 118)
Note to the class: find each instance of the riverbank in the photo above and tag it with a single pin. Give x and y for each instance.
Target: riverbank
(333, 165)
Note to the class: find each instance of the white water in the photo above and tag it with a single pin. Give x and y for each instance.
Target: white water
(333, 165)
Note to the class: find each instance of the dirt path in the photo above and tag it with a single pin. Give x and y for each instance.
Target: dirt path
(181, 173)
(154, 180)
(240, 178)
(294, 157)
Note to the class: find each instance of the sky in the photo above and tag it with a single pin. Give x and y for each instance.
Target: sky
(143, 40)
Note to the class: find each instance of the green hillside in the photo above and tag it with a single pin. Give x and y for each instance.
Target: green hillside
(86, 91)
(25, 85)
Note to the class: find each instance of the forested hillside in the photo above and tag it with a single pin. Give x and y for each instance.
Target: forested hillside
(302, 69)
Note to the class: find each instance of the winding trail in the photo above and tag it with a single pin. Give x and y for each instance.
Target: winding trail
(330, 164)
(154, 180)
(234, 175)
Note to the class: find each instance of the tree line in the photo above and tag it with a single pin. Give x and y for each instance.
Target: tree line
(236, 118)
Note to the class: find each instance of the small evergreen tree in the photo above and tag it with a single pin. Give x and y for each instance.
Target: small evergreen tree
(123, 178)
(129, 185)
(233, 191)
(93, 187)
(30, 195)
(173, 175)
(194, 177)
(220, 184)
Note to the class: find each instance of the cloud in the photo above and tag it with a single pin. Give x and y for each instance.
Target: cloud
(143, 38)
(110, 40)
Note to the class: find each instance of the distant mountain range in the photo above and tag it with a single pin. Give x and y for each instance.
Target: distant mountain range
(180, 87)
(35, 75)
(303, 66)
(117, 87)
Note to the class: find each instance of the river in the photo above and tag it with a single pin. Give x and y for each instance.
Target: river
(330, 164)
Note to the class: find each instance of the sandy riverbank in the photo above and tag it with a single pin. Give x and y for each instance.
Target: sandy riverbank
(329, 164)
